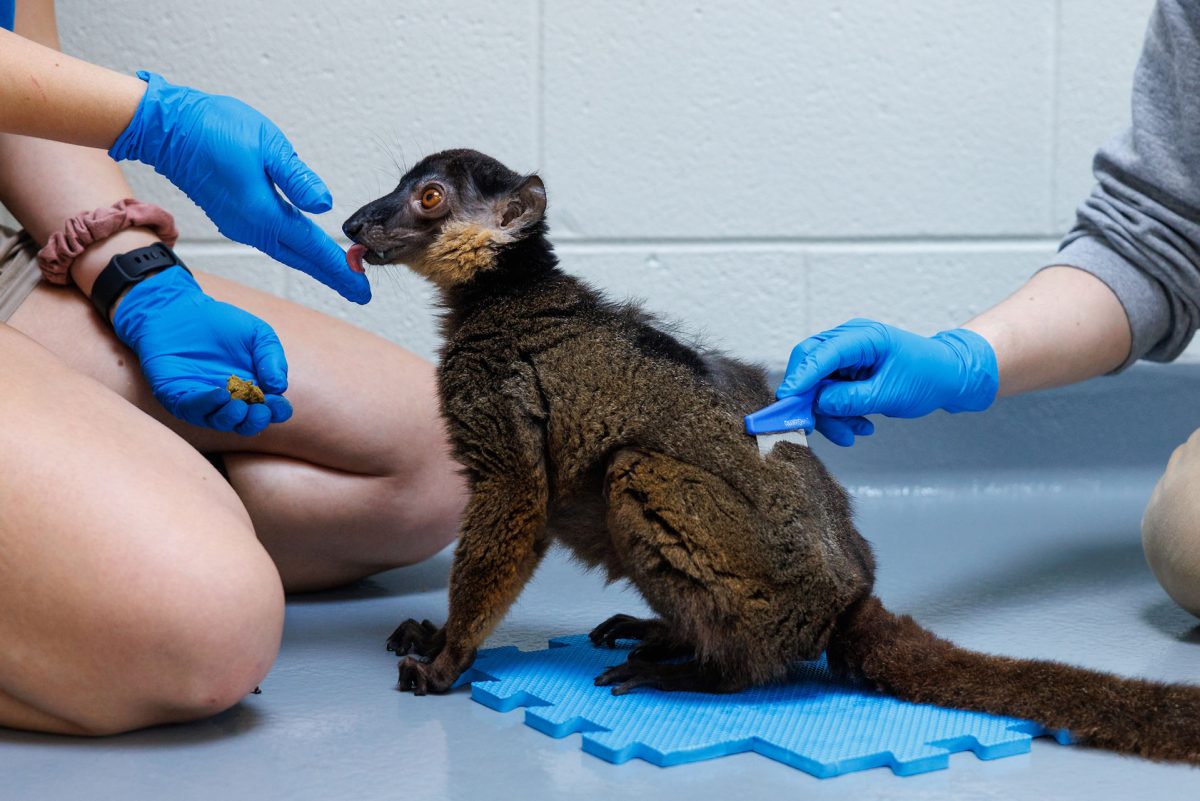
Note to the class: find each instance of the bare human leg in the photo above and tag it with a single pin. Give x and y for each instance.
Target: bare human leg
(359, 480)
(134, 591)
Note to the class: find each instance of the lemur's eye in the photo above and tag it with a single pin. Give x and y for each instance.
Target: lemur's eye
(431, 197)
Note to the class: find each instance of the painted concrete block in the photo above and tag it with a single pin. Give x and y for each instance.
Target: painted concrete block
(1098, 48)
(402, 310)
(237, 263)
(755, 302)
(757, 170)
(758, 302)
(749, 301)
(922, 289)
(766, 119)
(353, 86)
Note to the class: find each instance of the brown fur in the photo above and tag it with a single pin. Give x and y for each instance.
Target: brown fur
(1130, 716)
(587, 422)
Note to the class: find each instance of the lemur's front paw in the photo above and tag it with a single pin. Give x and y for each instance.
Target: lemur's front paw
(423, 639)
(423, 677)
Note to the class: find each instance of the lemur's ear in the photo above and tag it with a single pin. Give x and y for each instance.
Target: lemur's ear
(525, 206)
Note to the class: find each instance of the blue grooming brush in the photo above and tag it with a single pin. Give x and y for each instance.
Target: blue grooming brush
(787, 420)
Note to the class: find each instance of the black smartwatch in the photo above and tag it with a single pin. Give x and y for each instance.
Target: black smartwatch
(127, 269)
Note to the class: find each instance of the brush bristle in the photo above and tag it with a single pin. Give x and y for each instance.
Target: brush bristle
(767, 442)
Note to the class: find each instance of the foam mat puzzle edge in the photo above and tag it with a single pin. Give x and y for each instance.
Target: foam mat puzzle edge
(814, 722)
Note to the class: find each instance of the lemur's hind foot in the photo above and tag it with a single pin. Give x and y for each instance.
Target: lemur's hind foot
(690, 676)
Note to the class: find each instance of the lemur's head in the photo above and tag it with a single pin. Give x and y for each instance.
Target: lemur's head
(449, 219)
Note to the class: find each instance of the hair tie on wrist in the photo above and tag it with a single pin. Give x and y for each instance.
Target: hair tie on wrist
(89, 227)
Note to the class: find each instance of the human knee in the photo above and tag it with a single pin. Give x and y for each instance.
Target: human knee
(201, 650)
(233, 638)
(1171, 527)
(412, 519)
(434, 513)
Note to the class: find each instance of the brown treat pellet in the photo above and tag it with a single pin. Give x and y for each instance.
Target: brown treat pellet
(244, 390)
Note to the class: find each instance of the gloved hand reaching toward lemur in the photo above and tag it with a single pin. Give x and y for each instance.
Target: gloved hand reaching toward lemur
(190, 344)
(229, 159)
(880, 369)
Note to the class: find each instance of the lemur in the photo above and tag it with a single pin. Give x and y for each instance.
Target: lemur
(588, 422)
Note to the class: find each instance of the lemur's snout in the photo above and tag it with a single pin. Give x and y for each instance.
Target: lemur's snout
(352, 227)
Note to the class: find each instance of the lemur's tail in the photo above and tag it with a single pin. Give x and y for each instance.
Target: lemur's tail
(1129, 716)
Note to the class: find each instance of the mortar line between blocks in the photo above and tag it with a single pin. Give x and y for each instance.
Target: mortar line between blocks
(1055, 116)
(806, 266)
(808, 246)
(814, 242)
(540, 79)
(1042, 247)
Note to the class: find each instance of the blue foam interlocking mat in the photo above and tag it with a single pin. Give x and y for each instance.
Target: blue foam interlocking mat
(813, 722)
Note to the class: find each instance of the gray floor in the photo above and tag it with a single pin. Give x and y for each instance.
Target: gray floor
(1014, 532)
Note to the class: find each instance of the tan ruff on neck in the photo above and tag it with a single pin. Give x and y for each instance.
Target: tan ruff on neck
(461, 251)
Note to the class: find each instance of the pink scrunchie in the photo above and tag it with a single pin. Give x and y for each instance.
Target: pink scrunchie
(89, 227)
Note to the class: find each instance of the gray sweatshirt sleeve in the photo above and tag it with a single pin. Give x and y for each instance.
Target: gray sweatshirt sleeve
(1139, 231)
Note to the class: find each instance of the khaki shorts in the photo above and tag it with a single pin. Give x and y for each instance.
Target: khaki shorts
(19, 272)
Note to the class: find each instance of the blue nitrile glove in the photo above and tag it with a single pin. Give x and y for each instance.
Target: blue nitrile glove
(880, 369)
(189, 345)
(229, 159)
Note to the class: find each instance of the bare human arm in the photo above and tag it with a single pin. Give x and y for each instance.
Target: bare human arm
(187, 343)
(1125, 284)
(1064, 325)
(49, 95)
(1135, 292)
(228, 158)
(44, 182)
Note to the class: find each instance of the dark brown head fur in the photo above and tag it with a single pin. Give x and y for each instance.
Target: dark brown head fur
(586, 422)
(450, 217)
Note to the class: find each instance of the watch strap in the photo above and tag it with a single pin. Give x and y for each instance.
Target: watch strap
(126, 269)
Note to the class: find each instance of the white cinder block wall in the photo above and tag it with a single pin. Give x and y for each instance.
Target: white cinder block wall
(758, 169)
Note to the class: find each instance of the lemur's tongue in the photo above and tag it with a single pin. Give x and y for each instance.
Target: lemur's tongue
(354, 258)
